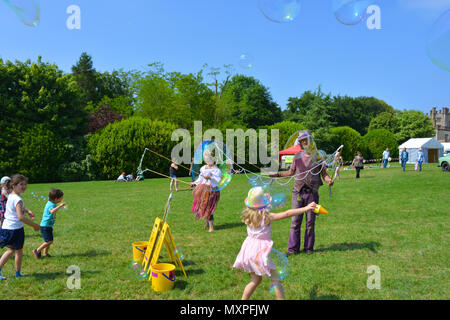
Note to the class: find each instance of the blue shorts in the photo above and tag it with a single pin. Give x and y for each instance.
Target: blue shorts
(47, 233)
(12, 239)
(173, 176)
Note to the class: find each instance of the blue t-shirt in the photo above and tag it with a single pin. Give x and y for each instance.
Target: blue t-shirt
(48, 219)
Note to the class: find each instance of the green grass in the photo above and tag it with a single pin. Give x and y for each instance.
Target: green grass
(392, 219)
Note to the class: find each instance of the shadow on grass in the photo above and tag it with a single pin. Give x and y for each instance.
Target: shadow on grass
(347, 246)
(90, 253)
(313, 295)
(55, 275)
(228, 226)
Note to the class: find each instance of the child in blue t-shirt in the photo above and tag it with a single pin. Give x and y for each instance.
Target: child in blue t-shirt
(48, 220)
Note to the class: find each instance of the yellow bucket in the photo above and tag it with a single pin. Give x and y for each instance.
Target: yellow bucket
(163, 277)
(139, 248)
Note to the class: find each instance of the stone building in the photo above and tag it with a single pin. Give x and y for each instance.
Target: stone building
(441, 123)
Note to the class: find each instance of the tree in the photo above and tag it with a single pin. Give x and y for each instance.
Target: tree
(349, 137)
(102, 117)
(119, 146)
(413, 124)
(249, 101)
(385, 120)
(36, 93)
(41, 152)
(86, 78)
(376, 141)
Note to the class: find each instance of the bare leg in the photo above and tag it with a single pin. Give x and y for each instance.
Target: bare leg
(44, 247)
(251, 286)
(18, 259)
(5, 257)
(211, 226)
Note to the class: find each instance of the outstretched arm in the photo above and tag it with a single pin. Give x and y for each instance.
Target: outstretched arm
(291, 212)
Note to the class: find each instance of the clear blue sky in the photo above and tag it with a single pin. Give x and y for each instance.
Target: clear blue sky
(314, 49)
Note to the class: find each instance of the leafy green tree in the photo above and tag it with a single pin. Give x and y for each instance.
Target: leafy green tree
(413, 124)
(36, 93)
(385, 120)
(250, 102)
(119, 146)
(376, 141)
(85, 77)
(286, 130)
(41, 152)
(349, 137)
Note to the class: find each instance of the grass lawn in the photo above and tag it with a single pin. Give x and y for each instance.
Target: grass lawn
(398, 221)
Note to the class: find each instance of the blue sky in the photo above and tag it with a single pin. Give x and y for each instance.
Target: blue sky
(288, 58)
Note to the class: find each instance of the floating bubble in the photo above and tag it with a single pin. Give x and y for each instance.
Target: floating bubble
(246, 61)
(350, 12)
(27, 10)
(137, 271)
(211, 151)
(438, 42)
(280, 11)
(273, 287)
(279, 193)
(281, 263)
(180, 253)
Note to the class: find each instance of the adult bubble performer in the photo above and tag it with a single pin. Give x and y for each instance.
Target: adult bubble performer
(308, 178)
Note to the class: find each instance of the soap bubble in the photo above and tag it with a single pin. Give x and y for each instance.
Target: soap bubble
(350, 12)
(438, 42)
(27, 10)
(137, 271)
(246, 61)
(279, 192)
(211, 151)
(281, 263)
(280, 11)
(180, 253)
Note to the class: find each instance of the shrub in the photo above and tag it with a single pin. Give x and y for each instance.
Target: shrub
(119, 146)
(350, 138)
(377, 140)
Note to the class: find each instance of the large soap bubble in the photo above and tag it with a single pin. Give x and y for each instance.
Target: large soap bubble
(27, 10)
(438, 43)
(281, 11)
(350, 12)
(211, 151)
(246, 61)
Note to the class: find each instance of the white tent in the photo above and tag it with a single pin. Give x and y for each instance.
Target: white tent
(446, 147)
(431, 148)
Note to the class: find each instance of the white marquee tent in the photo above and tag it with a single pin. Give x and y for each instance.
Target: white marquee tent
(431, 148)
(446, 147)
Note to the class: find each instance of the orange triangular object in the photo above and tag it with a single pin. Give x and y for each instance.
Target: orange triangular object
(320, 210)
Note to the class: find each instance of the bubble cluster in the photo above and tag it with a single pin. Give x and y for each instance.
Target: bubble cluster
(39, 197)
(280, 11)
(438, 42)
(350, 12)
(27, 10)
(211, 151)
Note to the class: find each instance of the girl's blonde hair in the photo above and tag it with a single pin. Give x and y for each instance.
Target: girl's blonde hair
(253, 217)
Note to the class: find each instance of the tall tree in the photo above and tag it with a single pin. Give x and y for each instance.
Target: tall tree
(251, 103)
(86, 78)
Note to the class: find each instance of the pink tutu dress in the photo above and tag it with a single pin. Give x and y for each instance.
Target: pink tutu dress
(254, 254)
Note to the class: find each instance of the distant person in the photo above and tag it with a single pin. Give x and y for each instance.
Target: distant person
(254, 254)
(55, 196)
(140, 177)
(386, 154)
(5, 191)
(130, 177)
(190, 170)
(122, 178)
(358, 163)
(404, 156)
(420, 159)
(12, 234)
(173, 175)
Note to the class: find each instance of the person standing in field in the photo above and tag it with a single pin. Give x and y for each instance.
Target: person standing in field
(386, 154)
(358, 163)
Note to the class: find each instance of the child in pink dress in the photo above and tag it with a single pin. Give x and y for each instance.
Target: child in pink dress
(254, 254)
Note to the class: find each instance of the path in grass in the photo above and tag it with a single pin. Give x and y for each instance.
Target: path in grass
(395, 220)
